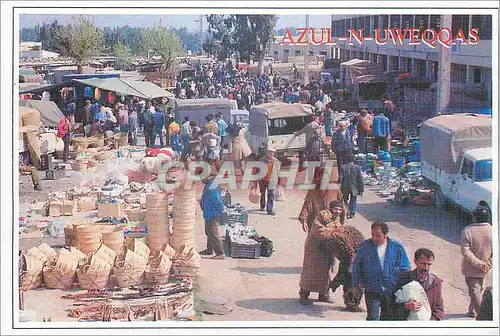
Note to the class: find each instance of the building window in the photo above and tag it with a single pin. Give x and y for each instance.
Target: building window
(384, 24)
(311, 53)
(395, 21)
(459, 22)
(407, 21)
(367, 25)
(375, 23)
(324, 53)
(343, 28)
(483, 23)
(477, 75)
(297, 52)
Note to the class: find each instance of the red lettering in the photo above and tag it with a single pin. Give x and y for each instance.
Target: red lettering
(474, 36)
(288, 34)
(431, 42)
(329, 40)
(301, 37)
(314, 41)
(414, 36)
(461, 36)
(358, 37)
(445, 42)
(378, 39)
(397, 35)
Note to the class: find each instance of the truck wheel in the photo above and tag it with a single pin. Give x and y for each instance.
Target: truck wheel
(440, 201)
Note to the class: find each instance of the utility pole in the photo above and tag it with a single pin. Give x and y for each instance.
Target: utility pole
(201, 33)
(444, 68)
(306, 54)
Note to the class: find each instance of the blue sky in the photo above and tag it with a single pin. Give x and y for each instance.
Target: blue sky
(176, 21)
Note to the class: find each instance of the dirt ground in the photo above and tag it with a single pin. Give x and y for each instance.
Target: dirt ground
(266, 289)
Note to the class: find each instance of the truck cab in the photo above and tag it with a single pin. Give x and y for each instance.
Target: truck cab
(474, 183)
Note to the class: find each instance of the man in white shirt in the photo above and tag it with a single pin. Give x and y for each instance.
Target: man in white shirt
(186, 132)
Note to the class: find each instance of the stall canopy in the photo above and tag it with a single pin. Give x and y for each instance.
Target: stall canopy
(146, 90)
(50, 114)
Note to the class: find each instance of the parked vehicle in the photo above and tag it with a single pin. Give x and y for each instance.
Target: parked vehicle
(456, 153)
(274, 124)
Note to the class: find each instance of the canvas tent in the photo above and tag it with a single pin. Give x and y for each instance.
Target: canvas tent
(50, 114)
(445, 138)
(351, 70)
(145, 90)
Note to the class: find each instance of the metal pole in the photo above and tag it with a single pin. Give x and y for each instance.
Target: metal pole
(201, 34)
(444, 75)
(306, 55)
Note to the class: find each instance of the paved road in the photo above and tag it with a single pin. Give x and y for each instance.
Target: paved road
(266, 289)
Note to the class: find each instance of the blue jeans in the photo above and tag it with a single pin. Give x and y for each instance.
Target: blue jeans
(185, 144)
(174, 143)
(264, 188)
(362, 144)
(351, 200)
(328, 130)
(378, 306)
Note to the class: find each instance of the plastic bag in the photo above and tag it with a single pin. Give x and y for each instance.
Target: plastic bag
(56, 228)
(280, 194)
(254, 195)
(415, 291)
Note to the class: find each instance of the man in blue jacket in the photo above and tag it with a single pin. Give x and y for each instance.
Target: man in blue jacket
(378, 262)
(381, 128)
(212, 206)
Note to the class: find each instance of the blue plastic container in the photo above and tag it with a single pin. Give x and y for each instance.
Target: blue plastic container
(398, 162)
(384, 156)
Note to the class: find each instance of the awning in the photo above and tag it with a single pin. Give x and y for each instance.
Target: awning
(283, 110)
(50, 114)
(146, 90)
(37, 88)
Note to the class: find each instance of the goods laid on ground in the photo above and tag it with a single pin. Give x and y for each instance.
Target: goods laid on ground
(88, 237)
(185, 207)
(129, 268)
(186, 263)
(242, 241)
(61, 272)
(234, 214)
(113, 238)
(170, 301)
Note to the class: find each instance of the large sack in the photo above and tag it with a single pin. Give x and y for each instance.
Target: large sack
(29, 116)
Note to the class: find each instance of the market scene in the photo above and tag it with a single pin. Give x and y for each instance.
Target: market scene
(210, 172)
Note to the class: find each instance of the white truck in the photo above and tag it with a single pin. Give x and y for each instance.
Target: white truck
(456, 155)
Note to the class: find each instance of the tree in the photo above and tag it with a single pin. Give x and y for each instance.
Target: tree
(246, 35)
(124, 56)
(81, 39)
(163, 43)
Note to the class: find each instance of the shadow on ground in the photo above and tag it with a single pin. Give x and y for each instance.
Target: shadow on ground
(286, 306)
(269, 270)
(444, 223)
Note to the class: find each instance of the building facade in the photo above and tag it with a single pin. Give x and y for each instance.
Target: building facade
(471, 65)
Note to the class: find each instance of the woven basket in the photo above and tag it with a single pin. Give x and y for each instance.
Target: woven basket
(113, 239)
(107, 254)
(121, 139)
(48, 251)
(94, 280)
(81, 165)
(129, 269)
(31, 275)
(139, 248)
(62, 273)
(184, 218)
(136, 215)
(81, 142)
(157, 243)
(88, 237)
(70, 236)
(158, 270)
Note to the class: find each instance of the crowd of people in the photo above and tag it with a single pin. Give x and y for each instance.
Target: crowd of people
(375, 268)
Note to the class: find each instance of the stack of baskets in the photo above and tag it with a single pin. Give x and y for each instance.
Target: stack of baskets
(184, 218)
(88, 237)
(157, 220)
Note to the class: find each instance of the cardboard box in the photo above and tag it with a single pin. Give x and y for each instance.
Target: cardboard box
(62, 208)
(109, 210)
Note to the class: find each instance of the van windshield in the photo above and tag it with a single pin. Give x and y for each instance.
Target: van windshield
(483, 171)
(284, 126)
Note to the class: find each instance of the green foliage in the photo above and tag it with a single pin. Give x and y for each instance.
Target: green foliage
(124, 56)
(159, 41)
(81, 39)
(248, 36)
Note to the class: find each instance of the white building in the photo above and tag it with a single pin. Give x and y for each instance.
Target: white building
(282, 52)
(471, 65)
(33, 50)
